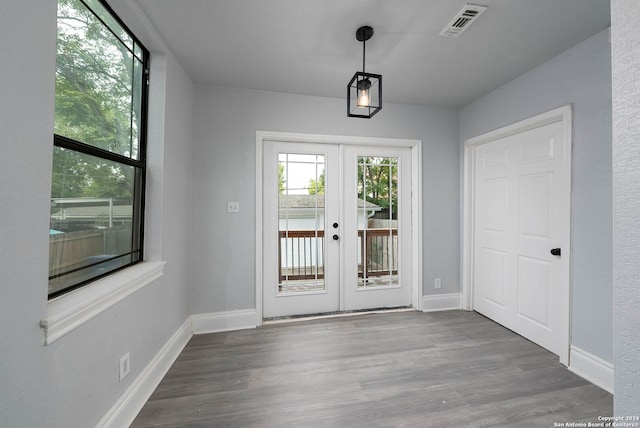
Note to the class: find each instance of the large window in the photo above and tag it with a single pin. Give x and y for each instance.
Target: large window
(97, 193)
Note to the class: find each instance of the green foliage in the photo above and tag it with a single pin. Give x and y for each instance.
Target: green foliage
(281, 179)
(378, 181)
(317, 187)
(95, 103)
(69, 172)
(109, 181)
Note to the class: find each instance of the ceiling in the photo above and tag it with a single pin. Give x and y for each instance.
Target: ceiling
(309, 46)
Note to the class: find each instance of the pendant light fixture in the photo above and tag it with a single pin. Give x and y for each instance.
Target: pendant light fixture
(364, 92)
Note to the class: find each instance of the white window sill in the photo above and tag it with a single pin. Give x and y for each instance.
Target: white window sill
(69, 311)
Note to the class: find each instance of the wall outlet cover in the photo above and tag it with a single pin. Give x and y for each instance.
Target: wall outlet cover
(125, 365)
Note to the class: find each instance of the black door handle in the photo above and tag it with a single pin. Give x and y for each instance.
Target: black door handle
(335, 225)
(555, 252)
(336, 237)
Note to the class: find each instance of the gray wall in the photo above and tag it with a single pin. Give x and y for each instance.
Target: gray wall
(226, 121)
(580, 76)
(74, 381)
(626, 204)
(26, 116)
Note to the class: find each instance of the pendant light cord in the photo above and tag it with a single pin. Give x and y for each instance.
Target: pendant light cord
(363, 53)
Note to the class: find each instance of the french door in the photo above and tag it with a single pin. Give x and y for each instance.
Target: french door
(336, 228)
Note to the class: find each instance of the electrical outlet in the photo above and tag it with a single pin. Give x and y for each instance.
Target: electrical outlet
(437, 283)
(125, 365)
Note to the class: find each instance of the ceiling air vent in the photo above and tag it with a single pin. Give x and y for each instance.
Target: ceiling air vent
(462, 21)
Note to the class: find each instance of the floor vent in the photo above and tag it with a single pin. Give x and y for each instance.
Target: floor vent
(462, 21)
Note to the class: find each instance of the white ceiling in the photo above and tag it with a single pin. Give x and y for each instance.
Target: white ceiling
(309, 46)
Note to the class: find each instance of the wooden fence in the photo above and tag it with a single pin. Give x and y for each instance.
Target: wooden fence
(71, 250)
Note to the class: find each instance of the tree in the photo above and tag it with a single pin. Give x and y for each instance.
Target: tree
(96, 103)
(281, 179)
(378, 181)
(316, 187)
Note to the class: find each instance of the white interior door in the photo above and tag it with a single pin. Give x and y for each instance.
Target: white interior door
(521, 194)
(336, 228)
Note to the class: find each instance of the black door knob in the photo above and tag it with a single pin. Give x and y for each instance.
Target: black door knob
(336, 237)
(335, 225)
(555, 252)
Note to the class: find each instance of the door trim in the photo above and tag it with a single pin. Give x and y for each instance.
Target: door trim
(562, 114)
(416, 199)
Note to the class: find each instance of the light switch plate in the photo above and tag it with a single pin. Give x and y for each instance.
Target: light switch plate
(233, 207)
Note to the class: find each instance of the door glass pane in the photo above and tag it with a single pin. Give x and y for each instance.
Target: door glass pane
(377, 221)
(301, 218)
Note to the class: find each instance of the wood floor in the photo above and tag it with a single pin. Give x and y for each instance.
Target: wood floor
(409, 369)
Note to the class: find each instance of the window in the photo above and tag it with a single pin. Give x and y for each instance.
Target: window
(97, 192)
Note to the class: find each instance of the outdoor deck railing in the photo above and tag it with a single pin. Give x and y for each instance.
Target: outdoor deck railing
(300, 254)
(381, 249)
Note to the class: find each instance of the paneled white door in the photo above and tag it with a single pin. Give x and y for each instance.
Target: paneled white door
(336, 228)
(520, 205)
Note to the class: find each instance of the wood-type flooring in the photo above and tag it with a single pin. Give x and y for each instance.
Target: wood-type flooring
(406, 369)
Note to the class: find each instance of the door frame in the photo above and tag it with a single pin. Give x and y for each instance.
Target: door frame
(562, 114)
(416, 200)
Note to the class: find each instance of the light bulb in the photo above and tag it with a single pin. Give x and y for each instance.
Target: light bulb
(363, 98)
(363, 93)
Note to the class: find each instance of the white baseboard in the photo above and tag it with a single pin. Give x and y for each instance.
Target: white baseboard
(441, 302)
(224, 321)
(131, 402)
(591, 368)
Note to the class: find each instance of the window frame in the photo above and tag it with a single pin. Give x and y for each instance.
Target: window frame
(140, 164)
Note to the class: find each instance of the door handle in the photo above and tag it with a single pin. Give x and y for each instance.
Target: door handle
(335, 225)
(556, 251)
(336, 237)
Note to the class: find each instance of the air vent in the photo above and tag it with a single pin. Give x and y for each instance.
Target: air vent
(462, 21)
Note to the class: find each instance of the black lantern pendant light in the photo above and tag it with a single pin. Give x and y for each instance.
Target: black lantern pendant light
(364, 92)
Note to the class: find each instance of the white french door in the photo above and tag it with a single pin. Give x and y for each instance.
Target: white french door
(336, 228)
(301, 205)
(377, 240)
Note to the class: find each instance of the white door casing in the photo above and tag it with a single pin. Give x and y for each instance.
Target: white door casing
(517, 208)
(410, 154)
